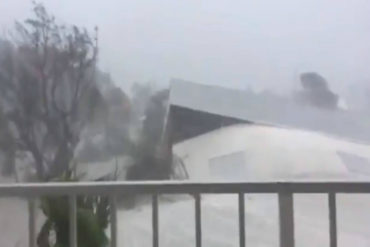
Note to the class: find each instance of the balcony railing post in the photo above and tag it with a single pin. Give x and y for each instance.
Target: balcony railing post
(113, 220)
(155, 220)
(241, 220)
(286, 219)
(72, 221)
(31, 223)
(198, 221)
(332, 219)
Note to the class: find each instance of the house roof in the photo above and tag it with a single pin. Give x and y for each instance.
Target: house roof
(268, 109)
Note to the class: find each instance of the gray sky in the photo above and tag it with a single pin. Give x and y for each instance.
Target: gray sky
(236, 43)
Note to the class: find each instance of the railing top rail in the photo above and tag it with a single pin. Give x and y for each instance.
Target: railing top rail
(106, 188)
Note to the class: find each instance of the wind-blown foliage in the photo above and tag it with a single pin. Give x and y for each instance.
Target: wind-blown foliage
(46, 83)
(153, 161)
(92, 220)
(48, 96)
(7, 146)
(316, 92)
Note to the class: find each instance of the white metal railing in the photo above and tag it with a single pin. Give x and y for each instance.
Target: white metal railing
(284, 191)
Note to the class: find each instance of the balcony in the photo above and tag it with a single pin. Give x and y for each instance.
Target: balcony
(284, 192)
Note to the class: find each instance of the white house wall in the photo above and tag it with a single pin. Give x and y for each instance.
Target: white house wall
(273, 153)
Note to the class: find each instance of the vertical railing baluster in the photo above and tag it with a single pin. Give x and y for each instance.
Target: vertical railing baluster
(155, 220)
(286, 215)
(73, 221)
(113, 220)
(31, 223)
(332, 219)
(241, 220)
(198, 221)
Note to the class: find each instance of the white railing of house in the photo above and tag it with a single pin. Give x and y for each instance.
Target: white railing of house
(284, 191)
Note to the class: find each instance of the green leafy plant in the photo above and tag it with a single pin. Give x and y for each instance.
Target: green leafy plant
(92, 220)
